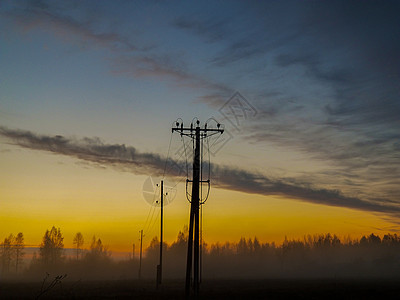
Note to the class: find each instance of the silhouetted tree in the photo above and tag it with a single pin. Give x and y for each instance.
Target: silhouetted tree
(19, 249)
(7, 253)
(374, 239)
(78, 242)
(242, 247)
(152, 251)
(52, 246)
(97, 250)
(370, 240)
(180, 245)
(390, 239)
(256, 245)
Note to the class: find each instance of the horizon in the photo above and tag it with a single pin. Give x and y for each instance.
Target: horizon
(70, 252)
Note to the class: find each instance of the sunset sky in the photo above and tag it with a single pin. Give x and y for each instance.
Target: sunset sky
(89, 91)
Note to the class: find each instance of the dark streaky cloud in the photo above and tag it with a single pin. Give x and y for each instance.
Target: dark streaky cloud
(127, 158)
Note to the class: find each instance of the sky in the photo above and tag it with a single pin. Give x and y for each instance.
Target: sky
(307, 92)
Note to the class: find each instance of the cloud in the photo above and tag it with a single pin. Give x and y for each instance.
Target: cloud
(356, 161)
(38, 14)
(127, 158)
(127, 58)
(89, 149)
(211, 30)
(248, 182)
(242, 33)
(164, 68)
(344, 53)
(332, 89)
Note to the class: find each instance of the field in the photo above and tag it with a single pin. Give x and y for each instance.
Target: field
(210, 289)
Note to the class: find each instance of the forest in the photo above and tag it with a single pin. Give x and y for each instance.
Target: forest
(312, 257)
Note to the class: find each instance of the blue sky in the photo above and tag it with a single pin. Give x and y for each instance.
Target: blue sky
(322, 76)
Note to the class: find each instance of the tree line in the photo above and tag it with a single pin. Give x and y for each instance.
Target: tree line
(12, 252)
(51, 252)
(322, 255)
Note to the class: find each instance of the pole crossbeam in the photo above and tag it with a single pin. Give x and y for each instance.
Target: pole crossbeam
(207, 181)
(183, 129)
(197, 134)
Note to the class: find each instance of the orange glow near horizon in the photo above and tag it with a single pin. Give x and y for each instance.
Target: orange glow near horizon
(41, 190)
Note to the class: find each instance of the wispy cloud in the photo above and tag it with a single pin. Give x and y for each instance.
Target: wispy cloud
(326, 86)
(164, 68)
(211, 30)
(128, 158)
(127, 58)
(37, 14)
(89, 149)
(357, 161)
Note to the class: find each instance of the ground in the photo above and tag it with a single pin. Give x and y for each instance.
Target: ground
(210, 289)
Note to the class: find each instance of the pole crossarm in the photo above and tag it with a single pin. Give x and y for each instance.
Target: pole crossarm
(183, 129)
(207, 181)
(191, 132)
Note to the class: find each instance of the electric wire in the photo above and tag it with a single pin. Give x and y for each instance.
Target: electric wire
(145, 223)
(146, 230)
(155, 221)
(166, 160)
(216, 140)
(184, 149)
(152, 210)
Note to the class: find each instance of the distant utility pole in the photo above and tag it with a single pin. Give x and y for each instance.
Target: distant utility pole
(159, 267)
(197, 134)
(140, 256)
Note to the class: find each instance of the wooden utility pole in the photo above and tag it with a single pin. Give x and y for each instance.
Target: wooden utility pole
(196, 204)
(197, 134)
(159, 267)
(140, 256)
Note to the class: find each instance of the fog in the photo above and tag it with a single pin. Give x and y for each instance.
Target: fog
(318, 256)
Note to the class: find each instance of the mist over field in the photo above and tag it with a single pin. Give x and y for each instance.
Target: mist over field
(313, 257)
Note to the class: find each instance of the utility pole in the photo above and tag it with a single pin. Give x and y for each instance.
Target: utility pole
(201, 243)
(197, 134)
(140, 257)
(159, 267)
(196, 202)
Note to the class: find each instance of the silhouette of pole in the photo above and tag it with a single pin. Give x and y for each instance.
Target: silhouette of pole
(201, 243)
(197, 134)
(140, 256)
(190, 252)
(161, 233)
(195, 204)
